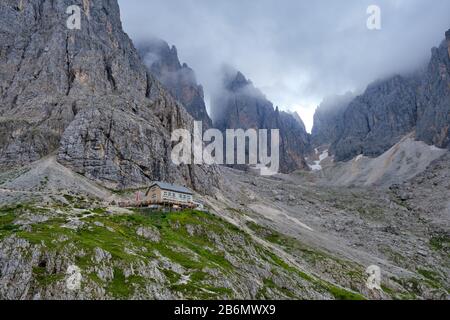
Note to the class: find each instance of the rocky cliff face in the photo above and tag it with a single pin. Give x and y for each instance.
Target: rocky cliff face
(86, 96)
(242, 106)
(447, 38)
(388, 110)
(378, 119)
(178, 78)
(433, 105)
(327, 124)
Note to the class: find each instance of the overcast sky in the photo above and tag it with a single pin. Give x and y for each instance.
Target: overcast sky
(297, 52)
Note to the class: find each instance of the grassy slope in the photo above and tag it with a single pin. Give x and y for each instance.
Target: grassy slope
(196, 243)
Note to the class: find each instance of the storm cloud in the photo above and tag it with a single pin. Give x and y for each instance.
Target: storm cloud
(297, 52)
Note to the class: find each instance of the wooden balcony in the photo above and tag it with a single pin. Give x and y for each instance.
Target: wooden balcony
(164, 204)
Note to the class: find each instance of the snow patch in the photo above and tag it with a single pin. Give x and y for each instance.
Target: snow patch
(316, 166)
(323, 156)
(434, 148)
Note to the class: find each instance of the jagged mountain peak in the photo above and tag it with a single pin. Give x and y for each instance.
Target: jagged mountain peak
(447, 37)
(179, 79)
(327, 124)
(157, 54)
(330, 103)
(298, 119)
(240, 105)
(388, 110)
(237, 82)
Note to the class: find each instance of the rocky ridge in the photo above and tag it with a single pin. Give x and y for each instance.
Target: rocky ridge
(327, 119)
(389, 109)
(179, 79)
(242, 106)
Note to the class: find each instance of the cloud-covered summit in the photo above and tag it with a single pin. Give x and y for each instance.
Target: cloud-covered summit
(296, 51)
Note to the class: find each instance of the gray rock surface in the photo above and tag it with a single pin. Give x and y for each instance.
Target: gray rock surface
(177, 78)
(151, 234)
(242, 106)
(327, 119)
(403, 230)
(87, 96)
(433, 125)
(378, 119)
(388, 110)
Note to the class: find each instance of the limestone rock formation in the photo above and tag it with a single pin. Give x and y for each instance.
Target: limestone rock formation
(298, 119)
(178, 78)
(433, 103)
(447, 38)
(242, 106)
(378, 119)
(327, 124)
(86, 96)
(389, 109)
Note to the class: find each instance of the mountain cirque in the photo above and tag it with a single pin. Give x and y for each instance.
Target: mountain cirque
(84, 121)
